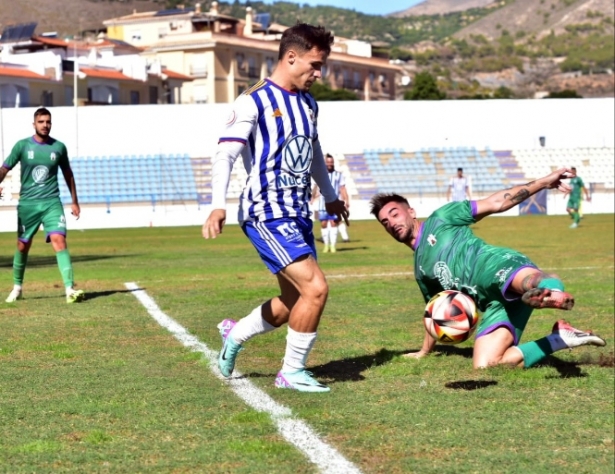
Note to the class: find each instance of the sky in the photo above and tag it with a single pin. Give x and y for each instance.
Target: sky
(370, 7)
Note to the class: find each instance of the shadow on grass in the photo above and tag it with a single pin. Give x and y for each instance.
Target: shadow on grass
(470, 384)
(346, 370)
(466, 352)
(350, 249)
(570, 369)
(90, 295)
(45, 261)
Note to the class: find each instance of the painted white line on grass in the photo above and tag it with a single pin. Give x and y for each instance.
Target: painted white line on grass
(295, 431)
(393, 274)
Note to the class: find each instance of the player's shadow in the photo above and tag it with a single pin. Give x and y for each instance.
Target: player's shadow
(48, 260)
(467, 352)
(90, 295)
(350, 249)
(566, 369)
(351, 370)
(470, 384)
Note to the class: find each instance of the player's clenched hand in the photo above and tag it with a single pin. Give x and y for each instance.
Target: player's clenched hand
(75, 210)
(214, 223)
(554, 180)
(339, 209)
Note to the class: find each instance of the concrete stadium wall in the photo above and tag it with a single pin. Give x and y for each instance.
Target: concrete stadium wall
(344, 127)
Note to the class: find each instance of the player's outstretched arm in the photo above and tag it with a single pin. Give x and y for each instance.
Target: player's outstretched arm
(428, 344)
(508, 198)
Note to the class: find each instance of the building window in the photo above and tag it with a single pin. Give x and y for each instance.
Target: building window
(241, 89)
(47, 99)
(136, 35)
(270, 62)
(135, 98)
(324, 71)
(68, 95)
(356, 79)
(372, 78)
(153, 94)
(198, 68)
(162, 32)
(253, 72)
(240, 58)
(200, 93)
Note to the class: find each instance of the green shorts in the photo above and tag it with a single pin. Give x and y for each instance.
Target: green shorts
(30, 216)
(573, 203)
(501, 308)
(513, 315)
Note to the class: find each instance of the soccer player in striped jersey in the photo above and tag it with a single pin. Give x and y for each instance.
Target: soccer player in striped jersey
(505, 284)
(274, 125)
(329, 223)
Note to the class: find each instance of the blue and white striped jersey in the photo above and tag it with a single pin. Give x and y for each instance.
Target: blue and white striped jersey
(337, 181)
(278, 128)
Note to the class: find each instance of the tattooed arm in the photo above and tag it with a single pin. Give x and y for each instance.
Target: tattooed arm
(508, 198)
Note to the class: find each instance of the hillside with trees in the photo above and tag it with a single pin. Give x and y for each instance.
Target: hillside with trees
(502, 48)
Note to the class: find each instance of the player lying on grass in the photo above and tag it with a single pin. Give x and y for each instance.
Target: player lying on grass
(506, 285)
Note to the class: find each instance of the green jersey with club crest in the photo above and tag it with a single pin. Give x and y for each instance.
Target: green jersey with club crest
(40, 163)
(448, 256)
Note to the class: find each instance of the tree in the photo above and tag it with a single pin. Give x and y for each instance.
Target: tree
(322, 92)
(565, 94)
(424, 87)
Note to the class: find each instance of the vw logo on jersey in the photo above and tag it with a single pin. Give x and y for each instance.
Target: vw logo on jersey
(39, 174)
(298, 154)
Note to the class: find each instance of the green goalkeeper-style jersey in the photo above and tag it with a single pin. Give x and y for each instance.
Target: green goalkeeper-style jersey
(39, 167)
(448, 256)
(576, 184)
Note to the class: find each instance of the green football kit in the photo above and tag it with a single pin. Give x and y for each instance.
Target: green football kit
(39, 201)
(39, 198)
(448, 256)
(574, 199)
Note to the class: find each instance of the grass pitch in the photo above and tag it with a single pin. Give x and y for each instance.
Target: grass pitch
(101, 387)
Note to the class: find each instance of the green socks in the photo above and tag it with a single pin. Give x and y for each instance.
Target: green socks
(65, 266)
(19, 267)
(533, 352)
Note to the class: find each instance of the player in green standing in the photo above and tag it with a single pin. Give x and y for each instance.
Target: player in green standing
(41, 156)
(574, 199)
(505, 284)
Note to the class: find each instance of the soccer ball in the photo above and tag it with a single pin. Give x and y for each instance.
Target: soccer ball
(450, 317)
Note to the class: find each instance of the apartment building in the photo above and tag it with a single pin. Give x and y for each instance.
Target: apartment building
(225, 55)
(40, 71)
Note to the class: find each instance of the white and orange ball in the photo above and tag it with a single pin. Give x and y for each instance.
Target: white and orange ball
(451, 317)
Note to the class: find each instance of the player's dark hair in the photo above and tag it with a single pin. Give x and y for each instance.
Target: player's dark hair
(382, 199)
(304, 37)
(41, 111)
(460, 169)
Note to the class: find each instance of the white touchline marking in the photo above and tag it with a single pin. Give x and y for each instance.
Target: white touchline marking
(295, 431)
(392, 274)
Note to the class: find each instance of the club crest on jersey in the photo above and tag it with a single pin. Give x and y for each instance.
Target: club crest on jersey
(444, 276)
(298, 154)
(39, 174)
(431, 240)
(30, 154)
(52, 156)
(277, 113)
(231, 118)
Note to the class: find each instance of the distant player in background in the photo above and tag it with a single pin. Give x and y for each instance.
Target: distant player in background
(575, 199)
(506, 285)
(329, 223)
(459, 187)
(41, 156)
(276, 121)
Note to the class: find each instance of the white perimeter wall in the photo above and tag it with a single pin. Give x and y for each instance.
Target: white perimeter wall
(344, 127)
